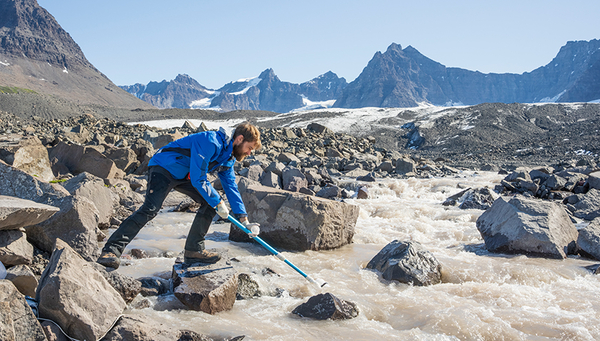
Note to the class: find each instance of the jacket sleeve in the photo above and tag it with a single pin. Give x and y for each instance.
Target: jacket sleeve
(201, 154)
(227, 178)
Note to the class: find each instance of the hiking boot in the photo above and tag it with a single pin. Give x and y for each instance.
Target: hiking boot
(191, 257)
(109, 260)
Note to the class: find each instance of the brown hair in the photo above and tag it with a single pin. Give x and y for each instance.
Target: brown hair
(250, 133)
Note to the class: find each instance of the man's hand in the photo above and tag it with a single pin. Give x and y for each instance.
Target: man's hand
(253, 227)
(222, 210)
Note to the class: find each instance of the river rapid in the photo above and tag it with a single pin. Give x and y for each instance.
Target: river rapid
(483, 296)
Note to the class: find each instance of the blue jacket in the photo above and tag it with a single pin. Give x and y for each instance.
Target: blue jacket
(210, 151)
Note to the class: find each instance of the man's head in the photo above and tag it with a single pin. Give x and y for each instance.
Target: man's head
(246, 138)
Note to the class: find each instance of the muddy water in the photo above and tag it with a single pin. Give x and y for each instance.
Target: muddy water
(483, 296)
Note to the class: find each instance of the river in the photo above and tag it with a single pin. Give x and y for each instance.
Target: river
(483, 296)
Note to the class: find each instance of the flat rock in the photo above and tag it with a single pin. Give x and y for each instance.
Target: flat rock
(16, 212)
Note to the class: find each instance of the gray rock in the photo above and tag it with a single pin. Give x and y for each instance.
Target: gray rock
(405, 165)
(329, 192)
(248, 288)
(270, 179)
(154, 286)
(296, 221)
(327, 306)
(407, 262)
(594, 180)
(293, 179)
(75, 295)
(17, 321)
(588, 206)
(27, 154)
(518, 174)
(210, 288)
(14, 248)
(477, 198)
(529, 227)
(16, 212)
(94, 162)
(588, 241)
(555, 182)
(141, 328)
(93, 188)
(128, 287)
(23, 279)
(287, 158)
(319, 128)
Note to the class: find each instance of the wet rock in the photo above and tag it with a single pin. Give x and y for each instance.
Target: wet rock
(75, 295)
(407, 262)
(588, 241)
(17, 321)
(247, 288)
(327, 306)
(477, 198)
(210, 288)
(362, 193)
(143, 328)
(128, 287)
(16, 212)
(296, 221)
(154, 286)
(529, 227)
(23, 279)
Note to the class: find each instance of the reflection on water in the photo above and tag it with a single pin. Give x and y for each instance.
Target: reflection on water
(483, 296)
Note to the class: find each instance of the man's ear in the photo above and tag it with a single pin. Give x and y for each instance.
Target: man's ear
(238, 139)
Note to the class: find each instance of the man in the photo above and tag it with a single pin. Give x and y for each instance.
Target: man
(183, 165)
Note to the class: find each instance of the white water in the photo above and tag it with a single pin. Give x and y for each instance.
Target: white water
(483, 296)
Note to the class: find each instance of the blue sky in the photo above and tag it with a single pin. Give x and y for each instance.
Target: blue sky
(216, 42)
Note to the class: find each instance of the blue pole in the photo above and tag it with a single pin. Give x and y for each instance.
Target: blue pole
(272, 250)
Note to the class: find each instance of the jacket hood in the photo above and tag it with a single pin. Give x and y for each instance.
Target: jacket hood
(228, 134)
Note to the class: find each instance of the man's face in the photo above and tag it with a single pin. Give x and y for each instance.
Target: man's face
(243, 149)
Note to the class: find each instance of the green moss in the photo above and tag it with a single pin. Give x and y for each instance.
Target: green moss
(14, 90)
(57, 181)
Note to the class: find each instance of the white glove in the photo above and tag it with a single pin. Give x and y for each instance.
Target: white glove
(253, 227)
(222, 210)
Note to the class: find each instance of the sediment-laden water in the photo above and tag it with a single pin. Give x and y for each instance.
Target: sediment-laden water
(483, 296)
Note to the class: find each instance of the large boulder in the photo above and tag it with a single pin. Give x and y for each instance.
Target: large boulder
(142, 328)
(76, 222)
(407, 262)
(75, 295)
(94, 162)
(17, 321)
(327, 306)
(296, 221)
(23, 278)
(594, 180)
(210, 288)
(17, 212)
(524, 226)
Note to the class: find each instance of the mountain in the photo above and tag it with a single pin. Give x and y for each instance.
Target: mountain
(265, 92)
(37, 54)
(178, 93)
(404, 77)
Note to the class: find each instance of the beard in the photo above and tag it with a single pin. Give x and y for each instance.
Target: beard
(237, 153)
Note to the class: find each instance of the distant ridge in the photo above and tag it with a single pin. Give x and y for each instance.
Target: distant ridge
(406, 78)
(37, 54)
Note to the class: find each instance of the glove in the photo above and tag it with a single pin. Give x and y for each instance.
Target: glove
(253, 227)
(222, 210)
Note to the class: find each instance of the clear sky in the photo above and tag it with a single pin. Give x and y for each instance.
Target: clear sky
(219, 41)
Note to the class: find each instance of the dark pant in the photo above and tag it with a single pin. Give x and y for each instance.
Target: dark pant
(160, 183)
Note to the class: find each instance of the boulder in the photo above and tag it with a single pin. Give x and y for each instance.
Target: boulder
(286, 158)
(555, 182)
(142, 328)
(94, 162)
(93, 188)
(210, 288)
(65, 155)
(588, 206)
(247, 287)
(76, 296)
(14, 248)
(270, 179)
(327, 306)
(76, 224)
(128, 287)
(588, 241)
(16, 212)
(124, 158)
(296, 221)
(319, 128)
(329, 192)
(407, 262)
(27, 154)
(23, 279)
(293, 179)
(405, 165)
(594, 180)
(530, 227)
(154, 286)
(17, 321)
(478, 198)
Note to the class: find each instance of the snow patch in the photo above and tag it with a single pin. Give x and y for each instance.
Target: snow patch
(65, 70)
(251, 82)
(552, 99)
(5, 63)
